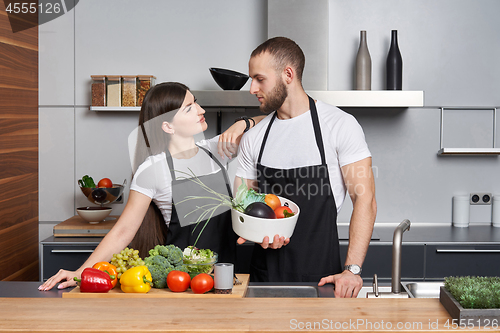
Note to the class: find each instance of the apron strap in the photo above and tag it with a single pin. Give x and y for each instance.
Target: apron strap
(316, 127)
(265, 137)
(224, 173)
(170, 163)
(317, 130)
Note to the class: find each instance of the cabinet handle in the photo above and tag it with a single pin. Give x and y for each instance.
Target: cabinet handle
(466, 251)
(72, 251)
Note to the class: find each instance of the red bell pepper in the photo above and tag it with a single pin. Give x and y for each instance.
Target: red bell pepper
(94, 281)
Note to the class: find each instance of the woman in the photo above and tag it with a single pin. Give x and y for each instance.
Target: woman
(169, 153)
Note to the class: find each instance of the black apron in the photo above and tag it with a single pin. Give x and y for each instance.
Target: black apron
(218, 234)
(313, 251)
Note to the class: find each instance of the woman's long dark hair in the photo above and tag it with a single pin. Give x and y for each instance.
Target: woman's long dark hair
(152, 140)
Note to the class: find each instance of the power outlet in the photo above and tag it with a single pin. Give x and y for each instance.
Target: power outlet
(480, 198)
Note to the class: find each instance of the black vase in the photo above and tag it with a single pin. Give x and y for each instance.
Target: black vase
(394, 65)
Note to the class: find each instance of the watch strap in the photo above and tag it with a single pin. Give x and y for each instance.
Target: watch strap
(354, 269)
(245, 118)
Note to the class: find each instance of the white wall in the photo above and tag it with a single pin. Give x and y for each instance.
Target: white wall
(173, 40)
(449, 48)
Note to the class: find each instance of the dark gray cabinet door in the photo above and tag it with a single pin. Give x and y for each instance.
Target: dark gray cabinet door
(379, 261)
(69, 257)
(456, 260)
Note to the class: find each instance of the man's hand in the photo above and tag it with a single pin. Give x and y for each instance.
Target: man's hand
(277, 243)
(347, 285)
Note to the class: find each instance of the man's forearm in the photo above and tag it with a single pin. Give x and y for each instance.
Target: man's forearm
(360, 230)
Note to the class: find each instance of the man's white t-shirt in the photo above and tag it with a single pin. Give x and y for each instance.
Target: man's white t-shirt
(154, 180)
(291, 144)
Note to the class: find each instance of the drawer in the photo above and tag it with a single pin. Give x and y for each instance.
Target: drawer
(379, 261)
(69, 257)
(448, 260)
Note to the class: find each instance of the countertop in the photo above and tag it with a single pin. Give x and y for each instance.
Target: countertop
(47, 312)
(25, 309)
(383, 234)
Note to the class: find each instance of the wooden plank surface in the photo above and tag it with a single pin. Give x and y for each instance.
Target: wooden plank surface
(238, 292)
(75, 226)
(223, 315)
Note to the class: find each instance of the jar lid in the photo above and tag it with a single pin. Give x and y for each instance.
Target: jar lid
(142, 77)
(129, 76)
(98, 77)
(113, 77)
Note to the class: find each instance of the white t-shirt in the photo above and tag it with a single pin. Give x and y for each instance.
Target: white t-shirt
(291, 144)
(154, 180)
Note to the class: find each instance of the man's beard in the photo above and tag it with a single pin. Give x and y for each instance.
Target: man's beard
(275, 100)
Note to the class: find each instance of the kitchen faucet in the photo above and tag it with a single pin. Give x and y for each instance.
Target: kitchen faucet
(397, 242)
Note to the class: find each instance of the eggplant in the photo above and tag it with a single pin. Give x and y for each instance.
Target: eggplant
(260, 209)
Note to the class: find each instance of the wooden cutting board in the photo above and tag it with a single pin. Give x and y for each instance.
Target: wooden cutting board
(77, 227)
(238, 292)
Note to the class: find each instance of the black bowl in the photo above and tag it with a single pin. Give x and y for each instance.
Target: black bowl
(228, 79)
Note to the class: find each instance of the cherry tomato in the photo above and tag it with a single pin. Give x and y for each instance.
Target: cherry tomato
(105, 182)
(202, 283)
(178, 281)
(280, 212)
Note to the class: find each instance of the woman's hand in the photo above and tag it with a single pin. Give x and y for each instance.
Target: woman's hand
(230, 139)
(62, 275)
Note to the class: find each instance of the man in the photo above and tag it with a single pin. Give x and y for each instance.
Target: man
(311, 153)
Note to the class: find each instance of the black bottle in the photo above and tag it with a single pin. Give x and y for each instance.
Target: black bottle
(394, 65)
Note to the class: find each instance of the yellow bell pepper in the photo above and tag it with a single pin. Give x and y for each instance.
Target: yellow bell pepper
(136, 280)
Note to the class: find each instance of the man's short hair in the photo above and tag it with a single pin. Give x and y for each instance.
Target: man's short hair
(285, 52)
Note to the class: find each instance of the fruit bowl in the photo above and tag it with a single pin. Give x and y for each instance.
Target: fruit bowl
(228, 79)
(93, 215)
(197, 266)
(255, 228)
(103, 195)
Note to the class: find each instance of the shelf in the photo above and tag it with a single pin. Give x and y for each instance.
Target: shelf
(469, 151)
(349, 98)
(115, 108)
(371, 98)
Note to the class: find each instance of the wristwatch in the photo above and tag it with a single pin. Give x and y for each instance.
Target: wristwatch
(247, 121)
(354, 269)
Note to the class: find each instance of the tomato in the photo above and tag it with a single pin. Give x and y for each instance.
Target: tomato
(178, 281)
(202, 283)
(272, 201)
(105, 182)
(280, 212)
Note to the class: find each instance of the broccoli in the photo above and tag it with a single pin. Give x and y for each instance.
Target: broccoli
(161, 261)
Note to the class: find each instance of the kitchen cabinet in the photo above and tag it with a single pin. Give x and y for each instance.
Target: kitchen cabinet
(379, 261)
(65, 253)
(460, 260)
(71, 252)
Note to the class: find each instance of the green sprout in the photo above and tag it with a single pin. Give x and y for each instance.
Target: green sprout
(475, 292)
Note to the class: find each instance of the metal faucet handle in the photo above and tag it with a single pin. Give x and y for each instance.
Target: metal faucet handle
(375, 285)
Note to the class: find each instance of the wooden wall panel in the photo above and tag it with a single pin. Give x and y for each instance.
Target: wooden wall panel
(18, 152)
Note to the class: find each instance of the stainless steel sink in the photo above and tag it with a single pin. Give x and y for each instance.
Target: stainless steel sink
(423, 289)
(290, 290)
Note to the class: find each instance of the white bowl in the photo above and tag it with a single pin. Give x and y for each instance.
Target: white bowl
(93, 214)
(255, 228)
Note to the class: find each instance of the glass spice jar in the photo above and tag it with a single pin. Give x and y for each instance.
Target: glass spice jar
(114, 90)
(129, 90)
(144, 83)
(98, 90)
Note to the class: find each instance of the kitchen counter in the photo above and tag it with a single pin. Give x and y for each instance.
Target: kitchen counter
(418, 234)
(47, 312)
